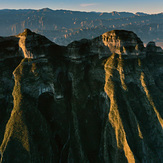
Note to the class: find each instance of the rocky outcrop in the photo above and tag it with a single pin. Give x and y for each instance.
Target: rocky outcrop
(123, 42)
(32, 45)
(152, 49)
(95, 100)
(117, 41)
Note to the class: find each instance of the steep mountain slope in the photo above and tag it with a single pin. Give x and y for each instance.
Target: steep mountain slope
(96, 100)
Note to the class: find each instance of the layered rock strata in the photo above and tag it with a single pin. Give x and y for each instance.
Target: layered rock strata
(96, 101)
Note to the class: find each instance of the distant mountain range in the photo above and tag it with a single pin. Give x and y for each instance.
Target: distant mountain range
(64, 26)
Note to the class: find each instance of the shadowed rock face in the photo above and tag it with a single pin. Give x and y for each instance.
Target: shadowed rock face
(93, 101)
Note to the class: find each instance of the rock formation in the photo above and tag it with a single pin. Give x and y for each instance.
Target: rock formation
(97, 101)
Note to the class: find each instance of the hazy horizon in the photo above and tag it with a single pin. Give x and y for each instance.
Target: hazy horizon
(146, 6)
(77, 10)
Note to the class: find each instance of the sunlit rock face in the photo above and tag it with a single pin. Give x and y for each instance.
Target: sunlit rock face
(117, 41)
(88, 102)
(123, 42)
(33, 45)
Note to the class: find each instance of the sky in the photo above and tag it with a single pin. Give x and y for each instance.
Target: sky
(147, 6)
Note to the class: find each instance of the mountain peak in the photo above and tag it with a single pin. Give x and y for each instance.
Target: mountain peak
(32, 44)
(26, 32)
(115, 13)
(122, 34)
(141, 14)
(123, 42)
(46, 9)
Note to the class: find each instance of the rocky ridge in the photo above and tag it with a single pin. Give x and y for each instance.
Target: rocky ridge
(96, 100)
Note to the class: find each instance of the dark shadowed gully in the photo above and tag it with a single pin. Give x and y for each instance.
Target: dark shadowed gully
(97, 101)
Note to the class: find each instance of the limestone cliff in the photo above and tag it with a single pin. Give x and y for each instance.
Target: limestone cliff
(96, 101)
